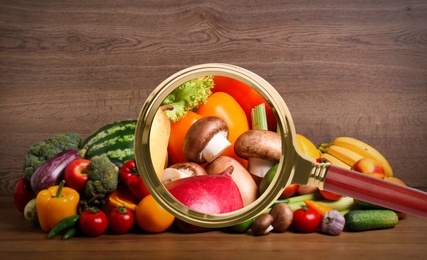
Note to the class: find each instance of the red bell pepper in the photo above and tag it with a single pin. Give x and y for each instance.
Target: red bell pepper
(23, 194)
(75, 175)
(246, 96)
(131, 178)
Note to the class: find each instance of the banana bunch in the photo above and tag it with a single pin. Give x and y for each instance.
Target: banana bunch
(345, 151)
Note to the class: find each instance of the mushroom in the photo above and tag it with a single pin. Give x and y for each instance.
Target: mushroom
(206, 139)
(262, 224)
(182, 170)
(283, 216)
(262, 149)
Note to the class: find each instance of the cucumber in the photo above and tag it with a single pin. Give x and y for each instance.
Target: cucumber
(115, 140)
(363, 220)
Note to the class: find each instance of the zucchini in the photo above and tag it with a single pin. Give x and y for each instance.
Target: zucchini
(115, 140)
(363, 220)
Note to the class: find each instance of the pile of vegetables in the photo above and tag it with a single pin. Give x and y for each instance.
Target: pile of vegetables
(89, 187)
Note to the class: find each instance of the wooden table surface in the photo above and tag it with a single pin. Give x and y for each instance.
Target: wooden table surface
(354, 68)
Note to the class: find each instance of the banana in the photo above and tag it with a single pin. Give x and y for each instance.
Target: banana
(343, 154)
(335, 161)
(364, 150)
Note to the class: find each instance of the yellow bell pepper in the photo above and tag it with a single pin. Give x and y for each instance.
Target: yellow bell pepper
(56, 203)
(122, 197)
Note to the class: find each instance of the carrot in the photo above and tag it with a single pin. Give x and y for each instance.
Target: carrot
(322, 209)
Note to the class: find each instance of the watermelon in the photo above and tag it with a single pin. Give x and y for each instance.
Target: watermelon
(116, 140)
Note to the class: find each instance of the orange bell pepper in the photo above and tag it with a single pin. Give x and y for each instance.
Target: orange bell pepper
(322, 209)
(224, 106)
(177, 135)
(121, 197)
(56, 203)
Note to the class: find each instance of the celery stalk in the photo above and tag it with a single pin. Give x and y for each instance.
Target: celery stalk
(259, 117)
(342, 205)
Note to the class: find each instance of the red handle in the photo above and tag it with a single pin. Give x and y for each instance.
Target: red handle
(376, 191)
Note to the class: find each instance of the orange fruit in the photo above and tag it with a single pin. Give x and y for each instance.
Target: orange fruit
(152, 217)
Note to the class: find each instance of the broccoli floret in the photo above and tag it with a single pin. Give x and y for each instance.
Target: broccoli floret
(188, 96)
(40, 152)
(103, 177)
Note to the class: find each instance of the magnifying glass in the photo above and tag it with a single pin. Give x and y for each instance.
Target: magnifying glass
(293, 167)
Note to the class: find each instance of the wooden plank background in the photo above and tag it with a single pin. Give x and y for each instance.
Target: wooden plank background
(354, 68)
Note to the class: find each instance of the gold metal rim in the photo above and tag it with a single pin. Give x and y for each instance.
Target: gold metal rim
(143, 159)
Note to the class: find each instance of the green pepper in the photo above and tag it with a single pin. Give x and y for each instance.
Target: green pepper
(64, 224)
(70, 233)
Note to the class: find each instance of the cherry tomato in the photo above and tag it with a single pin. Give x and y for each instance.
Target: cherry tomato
(93, 222)
(306, 219)
(121, 220)
(330, 195)
(290, 191)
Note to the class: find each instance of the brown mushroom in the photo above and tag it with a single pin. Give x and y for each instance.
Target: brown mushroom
(262, 224)
(182, 170)
(206, 139)
(262, 148)
(283, 216)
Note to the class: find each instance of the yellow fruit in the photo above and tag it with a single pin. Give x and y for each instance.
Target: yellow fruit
(365, 150)
(307, 147)
(335, 161)
(346, 155)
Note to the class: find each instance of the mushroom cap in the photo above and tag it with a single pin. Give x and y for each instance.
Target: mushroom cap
(193, 169)
(199, 134)
(283, 216)
(262, 144)
(262, 224)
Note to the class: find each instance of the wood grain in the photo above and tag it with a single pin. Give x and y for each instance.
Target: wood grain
(18, 240)
(357, 69)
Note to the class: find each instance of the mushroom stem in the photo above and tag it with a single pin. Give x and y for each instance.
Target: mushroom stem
(269, 229)
(216, 146)
(171, 174)
(259, 167)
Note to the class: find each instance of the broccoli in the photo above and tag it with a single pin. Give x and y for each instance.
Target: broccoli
(41, 151)
(103, 177)
(188, 96)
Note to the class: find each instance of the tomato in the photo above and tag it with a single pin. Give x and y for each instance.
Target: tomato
(306, 219)
(289, 191)
(93, 222)
(246, 96)
(121, 220)
(151, 216)
(224, 106)
(330, 195)
(177, 135)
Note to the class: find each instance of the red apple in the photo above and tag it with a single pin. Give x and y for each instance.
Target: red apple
(75, 175)
(370, 167)
(212, 194)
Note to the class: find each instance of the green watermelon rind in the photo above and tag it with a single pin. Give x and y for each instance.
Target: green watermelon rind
(116, 140)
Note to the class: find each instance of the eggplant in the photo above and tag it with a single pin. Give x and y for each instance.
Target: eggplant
(51, 172)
